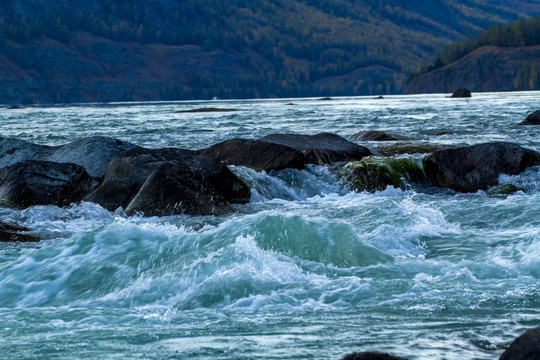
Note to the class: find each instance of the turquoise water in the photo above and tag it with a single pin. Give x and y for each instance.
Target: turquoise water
(307, 269)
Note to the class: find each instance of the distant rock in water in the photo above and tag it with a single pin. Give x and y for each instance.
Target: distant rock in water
(532, 119)
(380, 97)
(370, 355)
(375, 173)
(461, 93)
(31, 182)
(325, 99)
(16, 108)
(441, 132)
(256, 154)
(205, 110)
(410, 148)
(473, 168)
(524, 347)
(11, 232)
(320, 149)
(377, 135)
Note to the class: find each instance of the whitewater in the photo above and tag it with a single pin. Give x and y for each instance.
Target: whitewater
(307, 270)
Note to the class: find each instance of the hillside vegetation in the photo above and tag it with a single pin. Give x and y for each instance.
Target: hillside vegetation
(111, 50)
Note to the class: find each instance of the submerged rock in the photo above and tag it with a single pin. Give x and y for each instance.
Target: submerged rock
(532, 119)
(11, 232)
(256, 154)
(461, 93)
(320, 149)
(32, 182)
(375, 173)
(377, 135)
(410, 148)
(93, 153)
(477, 167)
(205, 110)
(370, 355)
(129, 172)
(505, 189)
(524, 347)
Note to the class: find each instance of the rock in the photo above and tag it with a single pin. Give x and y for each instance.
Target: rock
(473, 168)
(369, 355)
(11, 232)
(204, 110)
(409, 148)
(174, 189)
(32, 182)
(256, 154)
(376, 135)
(506, 189)
(532, 119)
(129, 171)
(461, 93)
(320, 149)
(325, 99)
(380, 97)
(441, 132)
(93, 153)
(375, 173)
(524, 347)
(16, 108)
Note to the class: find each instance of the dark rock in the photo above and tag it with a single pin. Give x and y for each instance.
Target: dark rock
(129, 171)
(369, 355)
(16, 108)
(325, 99)
(441, 132)
(204, 110)
(92, 153)
(375, 173)
(461, 93)
(410, 148)
(321, 149)
(524, 347)
(376, 135)
(256, 154)
(379, 97)
(11, 232)
(290, 104)
(532, 119)
(472, 168)
(505, 189)
(175, 189)
(32, 182)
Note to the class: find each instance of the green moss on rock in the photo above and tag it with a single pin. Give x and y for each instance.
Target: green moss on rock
(505, 189)
(375, 173)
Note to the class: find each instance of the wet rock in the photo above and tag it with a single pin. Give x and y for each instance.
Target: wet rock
(11, 232)
(204, 110)
(410, 148)
(93, 153)
(32, 182)
(380, 97)
(130, 171)
(506, 189)
(377, 135)
(370, 355)
(375, 173)
(320, 149)
(461, 93)
(174, 189)
(525, 347)
(473, 168)
(532, 119)
(325, 99)
(16, 108)
(441, 132)
(256, 154)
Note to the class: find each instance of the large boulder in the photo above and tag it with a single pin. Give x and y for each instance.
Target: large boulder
(375, 173)
(30, 182)
(378, 135)
(525, 347)
(256, 154)
(93, 153)
(371, 355)
(410, 148)
(472, 168)
(321, 149)
(11, 232)
(461, 93)
(532, 119)
(130, 171)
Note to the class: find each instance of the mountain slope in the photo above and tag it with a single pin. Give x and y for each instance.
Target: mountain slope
(105, 50)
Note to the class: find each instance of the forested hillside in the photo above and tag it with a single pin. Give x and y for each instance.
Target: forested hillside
(503, 57)
(111, 50)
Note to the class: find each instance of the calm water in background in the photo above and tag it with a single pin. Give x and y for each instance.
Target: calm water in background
(308, 269)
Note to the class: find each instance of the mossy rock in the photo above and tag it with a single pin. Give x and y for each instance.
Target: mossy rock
(505, 189)
(375, 173)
